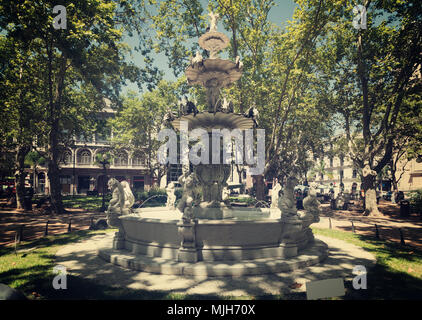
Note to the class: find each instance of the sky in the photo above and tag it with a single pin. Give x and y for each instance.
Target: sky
(279, 15)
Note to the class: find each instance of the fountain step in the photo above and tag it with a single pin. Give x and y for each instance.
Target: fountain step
(314, 254)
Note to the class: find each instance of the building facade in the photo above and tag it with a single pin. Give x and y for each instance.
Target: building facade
(81, 174)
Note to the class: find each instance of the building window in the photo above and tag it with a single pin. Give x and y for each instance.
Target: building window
(331, 162)
(137, 160)
(121, 159)
(67, 157)
(341, 161)
(341, 173)
(65, 180)
(354, 174)
(84, 157)
(322, 176)
(84, 138)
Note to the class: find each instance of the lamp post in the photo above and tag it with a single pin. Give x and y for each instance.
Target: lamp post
(74, 169)
(103, 160)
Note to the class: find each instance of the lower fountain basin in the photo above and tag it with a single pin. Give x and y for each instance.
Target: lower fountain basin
(243, 234)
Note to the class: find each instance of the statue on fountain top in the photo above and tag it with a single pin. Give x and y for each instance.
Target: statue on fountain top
(213, 21)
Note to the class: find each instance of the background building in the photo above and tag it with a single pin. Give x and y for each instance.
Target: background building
(80, 174)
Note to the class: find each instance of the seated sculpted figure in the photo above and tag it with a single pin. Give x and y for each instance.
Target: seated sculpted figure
(287, 202)
(129, 198)
(185, 205)
(171, 196)
(275, 194)
(117, 202)
(311, 204)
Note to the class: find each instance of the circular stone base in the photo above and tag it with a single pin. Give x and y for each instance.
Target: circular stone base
(315, 253)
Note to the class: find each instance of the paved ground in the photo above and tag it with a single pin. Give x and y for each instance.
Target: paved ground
(81, 260)
(389, 223)
(34, 224)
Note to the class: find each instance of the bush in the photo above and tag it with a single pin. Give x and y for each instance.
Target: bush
(248, 201)
(154, 195)
(416, 200)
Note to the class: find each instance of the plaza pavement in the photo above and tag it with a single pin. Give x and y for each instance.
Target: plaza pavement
(81, 260)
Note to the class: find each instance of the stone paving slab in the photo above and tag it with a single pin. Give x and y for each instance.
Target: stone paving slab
(81, 260)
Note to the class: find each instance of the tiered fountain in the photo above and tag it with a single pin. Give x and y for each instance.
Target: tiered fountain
(205, 236)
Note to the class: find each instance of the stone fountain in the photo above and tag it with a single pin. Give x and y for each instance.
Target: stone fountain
(203, 235)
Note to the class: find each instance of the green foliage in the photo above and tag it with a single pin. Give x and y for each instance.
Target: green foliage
(139, 121)
(155, 195)
(416, 200)
(249, 201)
(89, 203)
(34, 159)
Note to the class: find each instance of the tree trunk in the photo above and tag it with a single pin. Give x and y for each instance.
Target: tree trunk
(103, 206)
(20, 176)
(260, 187)
(370, 201)
(54, 173)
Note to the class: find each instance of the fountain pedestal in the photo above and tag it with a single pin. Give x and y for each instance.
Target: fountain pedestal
(187, 251)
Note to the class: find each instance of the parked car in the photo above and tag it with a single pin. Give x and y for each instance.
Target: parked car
(387, 195)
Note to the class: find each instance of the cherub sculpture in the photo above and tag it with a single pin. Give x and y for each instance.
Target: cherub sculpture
(239, 64)
(197, 61)
(287, 203)
(171, 196)
(213, 21)
(311, 204)
(185, 205)
(129, 198)
(117, 202)
(227, 106)
(275, 194)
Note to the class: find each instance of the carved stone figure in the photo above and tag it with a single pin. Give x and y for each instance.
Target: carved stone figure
(227, 106)
(187, 107)
(117, 202)
(213, 21)
(182, 106)
(171, 196)
(185, 205)
(275, 194)
(213, 93)
(226, 193)
(311, 204)
(253, 113)
(197, 61)
(239, 64)
(168, 117)
(191, 108)
(287, 203)
(129, 198)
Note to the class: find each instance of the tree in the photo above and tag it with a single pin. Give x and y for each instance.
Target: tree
(76, 66)
(277, 75)
(138, 122)
(21, 100)
(371, 73)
